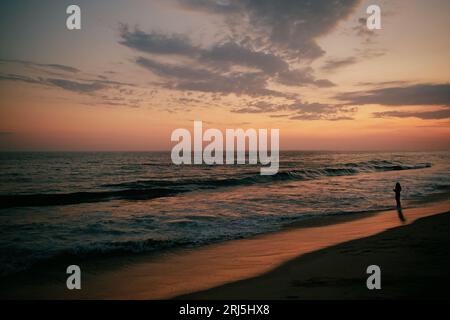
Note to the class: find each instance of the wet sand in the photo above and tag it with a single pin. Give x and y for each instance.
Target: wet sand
(287, 264)
(414, 261)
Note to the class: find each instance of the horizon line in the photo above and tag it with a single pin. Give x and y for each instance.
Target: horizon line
(280, 150)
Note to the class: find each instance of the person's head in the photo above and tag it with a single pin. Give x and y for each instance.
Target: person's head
(397, 185)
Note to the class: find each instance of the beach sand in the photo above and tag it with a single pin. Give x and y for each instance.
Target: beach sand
(414, 262)
(317, 259)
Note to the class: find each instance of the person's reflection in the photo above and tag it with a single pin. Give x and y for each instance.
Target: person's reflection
(400, 214)
(397, 190)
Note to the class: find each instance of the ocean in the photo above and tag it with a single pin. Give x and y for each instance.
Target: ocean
(88, 204)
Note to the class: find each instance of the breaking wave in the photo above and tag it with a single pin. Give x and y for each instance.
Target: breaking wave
(148, 189)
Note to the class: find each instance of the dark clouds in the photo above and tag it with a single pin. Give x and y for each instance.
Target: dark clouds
(181, 77)
(230, 53)
(53, 66)
(332, 65)
(61, 67)
(71, 79)
(80, 87)
(221, 56)
(19, 78)
(315, 116)
(252, 84)
(383, 83)
(301, 77)
(155, 42)
(425, 115)
(419, 94)
(300, 110)
(262, 47)
(213, 69)
(431, 95)
(263, 42)
(69, 85)
(261, 107)
(174, 71)
(68, 80)
(320, 111)
(288, 25)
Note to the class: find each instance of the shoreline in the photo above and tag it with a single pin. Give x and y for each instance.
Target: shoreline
(414, 262)
(181, 272)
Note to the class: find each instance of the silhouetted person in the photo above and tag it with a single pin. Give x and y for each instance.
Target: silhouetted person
(397, 190)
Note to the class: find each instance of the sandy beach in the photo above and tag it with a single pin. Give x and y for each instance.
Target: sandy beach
(414, 262)
(326, 258)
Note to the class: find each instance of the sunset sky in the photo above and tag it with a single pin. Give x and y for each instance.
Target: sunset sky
(139, 69)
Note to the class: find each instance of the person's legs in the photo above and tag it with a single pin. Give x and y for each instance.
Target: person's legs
(397, 199)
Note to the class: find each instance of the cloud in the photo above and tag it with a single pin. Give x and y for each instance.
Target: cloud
(18, 77)
(332, 65)
(261, 42)
(75, 86)
(260, 107)
(383, 83)
(219, 7)
(54, 66)
(252, 84)
(60, 67)
(156, 42)
(313, 116)
(362, 31)
(301, 77)
(291, 26)
(419, 94)
(174, 71)
(370, 52)
(181, 77)
(220, 55)
(80, 87)
(324, 83)
(300, 110)
(231, 53)
(320, 111)
(103, 90)
(425, 115)
(213, 69)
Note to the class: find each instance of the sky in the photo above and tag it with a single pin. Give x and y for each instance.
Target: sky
(137, 70)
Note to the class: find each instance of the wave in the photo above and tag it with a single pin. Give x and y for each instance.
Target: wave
(15, 258)
(26, 200)
(149, 189)
(25, 258)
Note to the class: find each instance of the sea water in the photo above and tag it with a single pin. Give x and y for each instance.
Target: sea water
(70, 205)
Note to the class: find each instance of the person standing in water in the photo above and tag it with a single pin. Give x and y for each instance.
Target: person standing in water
(397, 190)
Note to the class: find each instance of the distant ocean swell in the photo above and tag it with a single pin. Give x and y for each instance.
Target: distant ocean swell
(148, 189)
